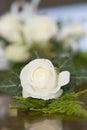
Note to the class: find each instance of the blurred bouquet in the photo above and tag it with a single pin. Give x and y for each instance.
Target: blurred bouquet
(22, 32)
(22, 37)
(70, 34)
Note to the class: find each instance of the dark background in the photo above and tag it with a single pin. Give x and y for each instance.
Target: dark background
(5, 4)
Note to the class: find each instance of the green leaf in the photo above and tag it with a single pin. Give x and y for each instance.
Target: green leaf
(67, 104)
(11, 85)
(31, 103)
(80, 77)
(77, 75)
(80, 60)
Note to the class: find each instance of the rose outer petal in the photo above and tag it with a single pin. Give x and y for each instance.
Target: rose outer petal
(64, 78)
(25, 94)
(52, 96)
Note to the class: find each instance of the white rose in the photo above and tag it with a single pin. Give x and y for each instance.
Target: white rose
(10, 28)
(39, 29)
(17, 53)
(39, 79)
(74, 31)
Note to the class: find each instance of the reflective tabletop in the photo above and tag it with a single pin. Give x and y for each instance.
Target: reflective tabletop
(13, 119)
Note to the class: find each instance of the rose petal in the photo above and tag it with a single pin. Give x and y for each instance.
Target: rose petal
(64, 78)
(25, 94)
(59, 93)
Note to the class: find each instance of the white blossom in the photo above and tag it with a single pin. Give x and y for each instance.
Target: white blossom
(73, 31)
(39, 29)
(17, 53)
(39, 79)
(10, 29)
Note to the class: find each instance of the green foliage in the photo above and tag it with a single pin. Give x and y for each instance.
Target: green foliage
(80, 59)
(67, 104)
(11, 85)
(59, 24)
(77, 76)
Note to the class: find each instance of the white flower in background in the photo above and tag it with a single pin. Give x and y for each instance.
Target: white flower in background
(3, 59)
(10, 28)
(24, 9)
(39, 29)
(75, 32)
(46, 124)
(39, 79)
(17, 53)
(72, 44)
